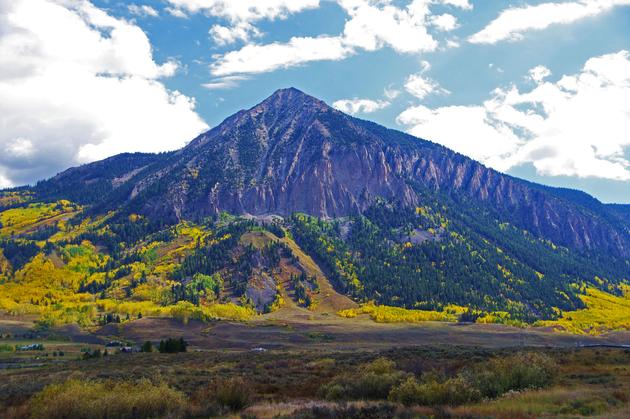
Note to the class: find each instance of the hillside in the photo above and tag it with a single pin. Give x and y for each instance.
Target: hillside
(294, 204)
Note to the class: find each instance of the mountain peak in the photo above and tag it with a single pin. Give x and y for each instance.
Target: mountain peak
(294, 153)
(291, 99)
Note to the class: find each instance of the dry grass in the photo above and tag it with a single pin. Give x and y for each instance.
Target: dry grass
(107, 399)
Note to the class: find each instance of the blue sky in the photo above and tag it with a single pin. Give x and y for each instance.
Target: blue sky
(149, 75)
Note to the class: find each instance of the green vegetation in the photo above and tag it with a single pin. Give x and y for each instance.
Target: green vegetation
(381, 380)
(438, 257)
(107, 399)
(171, 346)
(371, 381)
(401, 382)
(65, 264)
(450, 392)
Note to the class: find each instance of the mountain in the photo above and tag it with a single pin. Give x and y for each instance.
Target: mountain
(293, 153)
(295, 201)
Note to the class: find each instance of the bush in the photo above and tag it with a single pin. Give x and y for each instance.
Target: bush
(94, 354)
(7, 348)
(227, 394)
(234, 394)
(171, 346)
(107, 399)
(517, 372)
(487, 380)
(372, 381)
(454, 391)
(146, 347)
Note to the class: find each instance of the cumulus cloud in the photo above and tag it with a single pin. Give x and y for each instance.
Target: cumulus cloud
(262, 58)
(462, 4)
(445, 22)
(245, 10)
(224, 35)
(354, 106)
(143, 10)
(512, 23)
(539, 73)
(371, 25)
(357, 105)
(77, 85)
(464, 129)
(421, 86)
(240, 14)
(577, 126)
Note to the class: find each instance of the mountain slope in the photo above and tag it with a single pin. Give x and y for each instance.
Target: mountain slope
(293, 153)
(377, 213)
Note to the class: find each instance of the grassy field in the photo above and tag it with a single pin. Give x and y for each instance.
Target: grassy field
(292, 381)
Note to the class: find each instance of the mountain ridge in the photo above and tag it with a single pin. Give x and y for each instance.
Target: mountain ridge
(293, 153)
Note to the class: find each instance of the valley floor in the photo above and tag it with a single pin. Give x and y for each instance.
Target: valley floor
(284, 362)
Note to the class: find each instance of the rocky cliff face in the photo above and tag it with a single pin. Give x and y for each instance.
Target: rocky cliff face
(293, 153)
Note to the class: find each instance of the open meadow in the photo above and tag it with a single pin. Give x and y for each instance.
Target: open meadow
(311, 366)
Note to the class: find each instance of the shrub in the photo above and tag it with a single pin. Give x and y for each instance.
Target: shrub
(7, 348)
(517, 372)
(372, 381)
(107, 399)
(233, 394)
(146, 347)
(454, 391)
(94, 354)
(468, 316)
(171, 346)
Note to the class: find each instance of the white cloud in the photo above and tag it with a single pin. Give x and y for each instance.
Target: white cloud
(224, 82)
(4, 182)
(513, 22)
(19, 147)
(391, 93)
(462, 4)
(539, 73)
(246, 10)
(77, 85)
(372, 25)
(143, 10)
(241, 14)
(354, 106)
(262, 58)
(444, 22)
(464, 129)
(243, 31)
(452, 43)
(422, 86)
(577, 126)
(175, 12)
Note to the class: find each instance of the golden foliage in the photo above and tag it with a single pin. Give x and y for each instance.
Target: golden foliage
(604, 312)
(111, 399)
(387, 314)
(17, 220)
